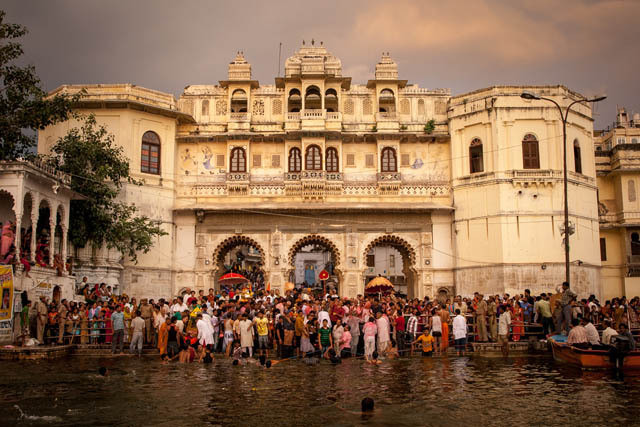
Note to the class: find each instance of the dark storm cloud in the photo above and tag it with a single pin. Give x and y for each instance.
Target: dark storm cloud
(591, 46)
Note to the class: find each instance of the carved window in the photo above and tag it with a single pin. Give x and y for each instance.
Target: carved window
(631, 189)
(238, 161)
(332, 160)
(371, 260)
(257, 160)
(258, 107)
(367, 107)
(603, 249)
(441, 107)
(295, 160)
(405, 107)
(577, 157)
(348, 107)
(220, 160)
(275, 160)
(405, 159)
(369, 160)
(351, 159)
(313, 158)
(421, 107)
(221, 107)
(276, 107)
(150, 155)
(239, 101)
(205, 107)
(475, 156)
(389, 160)
(295, 101)
(530, 153)
(635, 244)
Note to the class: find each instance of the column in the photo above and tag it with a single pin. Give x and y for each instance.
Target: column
(52, 234)
(18, 239)
(63, 249)
(35, 212)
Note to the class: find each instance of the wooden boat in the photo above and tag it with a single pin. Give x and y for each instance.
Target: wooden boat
(592, 359)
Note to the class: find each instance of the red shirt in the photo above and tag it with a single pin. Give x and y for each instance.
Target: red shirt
(400, 323)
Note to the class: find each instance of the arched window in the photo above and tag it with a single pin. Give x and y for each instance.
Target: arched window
(295, 160)
(313, 159)
(239, 101)
(635, 244)
(389, 160)
(294, 103)
(312, 98)
(577, 157)
(238, 160)
(421, 107)
(332, 160)
(631, 190)
(387, 101)
(530, 153)
(150, 156)
(331, 100)
(205, 107)
(475, 156)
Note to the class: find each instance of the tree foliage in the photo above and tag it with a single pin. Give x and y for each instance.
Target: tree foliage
(24, 107)
(99, 170)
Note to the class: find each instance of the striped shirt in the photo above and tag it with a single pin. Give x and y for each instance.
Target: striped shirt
(412, 325)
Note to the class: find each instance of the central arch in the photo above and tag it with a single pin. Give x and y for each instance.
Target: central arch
(226, 246)
(316, 239)
(408, 254)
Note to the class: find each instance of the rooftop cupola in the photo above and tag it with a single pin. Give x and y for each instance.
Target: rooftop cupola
(386, 69)
(239, 68)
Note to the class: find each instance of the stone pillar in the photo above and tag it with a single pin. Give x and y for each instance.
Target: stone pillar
(18, 239)
(63, 248)
(35, 213)
(52, 236)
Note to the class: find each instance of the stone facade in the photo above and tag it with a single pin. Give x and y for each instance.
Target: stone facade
(452, 183)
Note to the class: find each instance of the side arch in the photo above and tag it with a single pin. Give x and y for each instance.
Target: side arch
(313, 239)
(231, 242)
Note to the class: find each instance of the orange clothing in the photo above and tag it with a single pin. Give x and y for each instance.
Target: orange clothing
(445, 336)
(163, 337)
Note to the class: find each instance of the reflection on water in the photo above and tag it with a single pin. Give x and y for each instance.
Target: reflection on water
(472, 391)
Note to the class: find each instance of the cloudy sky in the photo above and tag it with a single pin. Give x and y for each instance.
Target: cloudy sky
(592, 46)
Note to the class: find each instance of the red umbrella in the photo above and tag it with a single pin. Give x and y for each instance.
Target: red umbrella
(232, 279)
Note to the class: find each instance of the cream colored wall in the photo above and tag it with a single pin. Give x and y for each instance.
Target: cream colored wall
(613, 269)
(506, 219)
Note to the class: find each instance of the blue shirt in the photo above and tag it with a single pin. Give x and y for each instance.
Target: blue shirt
(117, 320)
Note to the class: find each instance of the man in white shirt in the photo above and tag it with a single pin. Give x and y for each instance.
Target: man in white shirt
(324, 315)
(503, 331)
(460, 332)
(179, 306)
(608, 332)
(592, 333)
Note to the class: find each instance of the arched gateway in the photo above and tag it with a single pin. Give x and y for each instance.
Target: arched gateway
(408, 254)
(326, 246)
(254, 250)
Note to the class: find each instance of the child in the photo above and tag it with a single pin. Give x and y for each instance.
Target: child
(427, 343)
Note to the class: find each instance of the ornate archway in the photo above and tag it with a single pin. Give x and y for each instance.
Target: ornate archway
(408, 254)
(229, 244)
(315, 239)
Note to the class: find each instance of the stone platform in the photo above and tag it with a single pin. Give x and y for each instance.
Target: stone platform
(520, 347)
(35, 352)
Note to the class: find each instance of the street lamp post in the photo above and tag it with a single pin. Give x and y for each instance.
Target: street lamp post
(564, 116)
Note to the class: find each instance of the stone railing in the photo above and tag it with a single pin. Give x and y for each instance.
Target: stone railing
(315, 175)
(381, 117)
(292, 176)
(389, 176)
(238, 176)
(38, 164)
(318, 114)
(334, 116)
(334, 176)
(239, 117)
(293, 116)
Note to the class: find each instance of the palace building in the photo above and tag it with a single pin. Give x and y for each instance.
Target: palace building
(447, 194)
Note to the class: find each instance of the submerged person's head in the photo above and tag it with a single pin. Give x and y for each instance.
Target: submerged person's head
(103, 371)
(263, 359)
(367, 404)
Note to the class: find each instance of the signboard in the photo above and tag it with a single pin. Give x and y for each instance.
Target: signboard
(323, 275)
(6, 293)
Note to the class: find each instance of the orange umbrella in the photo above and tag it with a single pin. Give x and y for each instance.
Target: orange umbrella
(232, 279)
(379, 285)
(289, 286)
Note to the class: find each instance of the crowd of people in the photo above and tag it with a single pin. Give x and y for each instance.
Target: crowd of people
(301, 324)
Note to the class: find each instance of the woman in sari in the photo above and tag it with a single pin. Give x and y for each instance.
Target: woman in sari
(84, 325)
(108, 329)
(163, 336)
(517, 322)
